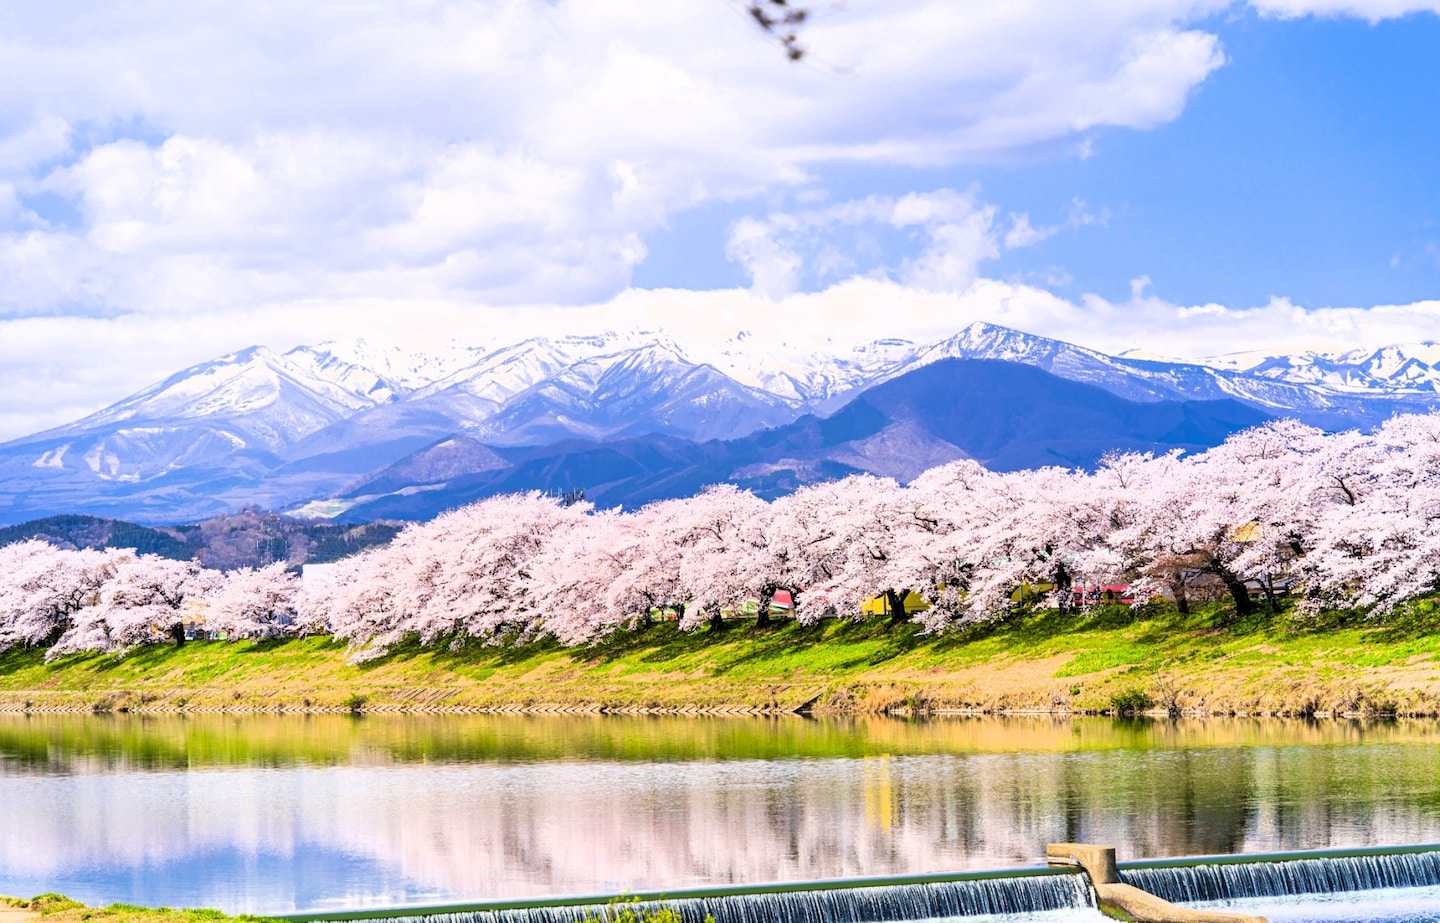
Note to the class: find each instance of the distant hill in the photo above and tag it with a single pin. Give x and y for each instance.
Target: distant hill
(247, 539)
(1004, 415)
(73, 532)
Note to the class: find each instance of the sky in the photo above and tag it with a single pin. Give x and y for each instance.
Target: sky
(1183, 177)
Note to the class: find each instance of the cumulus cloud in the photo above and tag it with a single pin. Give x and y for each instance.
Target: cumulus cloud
(1024, 234)
(949, 232)
(504, 150)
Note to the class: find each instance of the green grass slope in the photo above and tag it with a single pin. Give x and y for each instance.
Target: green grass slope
(1153, 658)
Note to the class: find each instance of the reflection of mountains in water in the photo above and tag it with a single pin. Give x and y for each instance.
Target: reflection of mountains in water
(857, 798)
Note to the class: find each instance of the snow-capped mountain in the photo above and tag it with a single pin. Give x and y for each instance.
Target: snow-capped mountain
(1267, 383)
(209, 433)
(275, 429)
(651, 389)
(1403, 368)
(255, 398)
(408, 371)
(801, 377)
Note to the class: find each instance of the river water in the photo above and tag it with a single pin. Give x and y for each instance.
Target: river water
(282, 814)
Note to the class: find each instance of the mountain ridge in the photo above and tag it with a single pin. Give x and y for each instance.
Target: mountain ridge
(1004, 415)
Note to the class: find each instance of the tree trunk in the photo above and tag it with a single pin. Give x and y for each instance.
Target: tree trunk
(1244, 605)
(716, 622)
(895, 602)
(762, 610)
(1177, 589)
(1269, 586)
(1064, 598)
(177, 631)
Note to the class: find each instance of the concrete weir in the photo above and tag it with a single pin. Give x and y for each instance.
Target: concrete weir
(1116, 896)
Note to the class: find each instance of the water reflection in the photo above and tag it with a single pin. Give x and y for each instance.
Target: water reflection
(272, 814)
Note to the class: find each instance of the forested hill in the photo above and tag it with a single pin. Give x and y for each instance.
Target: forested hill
(247, 539)
(74, 532)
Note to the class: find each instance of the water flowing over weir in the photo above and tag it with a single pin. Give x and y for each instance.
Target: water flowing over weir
(1025, 892)
(1330, 872)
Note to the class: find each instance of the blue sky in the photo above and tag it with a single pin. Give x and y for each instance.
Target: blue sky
(1186, 177)
(1305, 167)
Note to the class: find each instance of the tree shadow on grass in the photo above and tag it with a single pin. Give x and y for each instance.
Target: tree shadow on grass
(138, 658)
(794, 641)
(21, 658)
(455, 651)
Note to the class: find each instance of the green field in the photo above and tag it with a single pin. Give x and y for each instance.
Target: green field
(1202, 663)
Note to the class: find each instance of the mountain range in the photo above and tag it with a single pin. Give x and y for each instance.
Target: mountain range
(1005, 415)
(355, 429)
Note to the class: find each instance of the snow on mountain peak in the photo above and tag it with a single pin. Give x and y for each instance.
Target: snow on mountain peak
(1405, 367)
(274, 399)
(403, 371)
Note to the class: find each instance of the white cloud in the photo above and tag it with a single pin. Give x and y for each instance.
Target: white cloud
(774, 267)
(953, 232)
(1024, 234)
(1370, 10)
(505, 150)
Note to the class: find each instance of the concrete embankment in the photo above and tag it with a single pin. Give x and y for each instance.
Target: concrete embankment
(1114, 895)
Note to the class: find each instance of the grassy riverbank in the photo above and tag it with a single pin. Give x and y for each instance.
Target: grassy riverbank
(1202, 663)
(54, 908)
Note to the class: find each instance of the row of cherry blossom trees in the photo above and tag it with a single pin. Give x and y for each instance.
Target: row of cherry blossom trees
(1347, 519)
(70, 601)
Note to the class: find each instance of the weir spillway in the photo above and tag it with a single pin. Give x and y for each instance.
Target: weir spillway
(1003, 893)
(1218, 878)
(874, 900)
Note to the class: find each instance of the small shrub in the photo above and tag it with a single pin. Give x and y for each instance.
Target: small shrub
(1131, 701)
(355, 703)
(625, 910)
(45, 904)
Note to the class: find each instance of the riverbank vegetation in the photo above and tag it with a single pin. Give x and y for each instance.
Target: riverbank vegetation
(1207, 661)
(56, 908)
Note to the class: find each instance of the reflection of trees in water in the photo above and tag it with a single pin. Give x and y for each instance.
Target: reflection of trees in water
(54, 743)
(487, 829)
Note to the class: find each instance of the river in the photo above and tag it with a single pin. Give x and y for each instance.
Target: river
(282, 814)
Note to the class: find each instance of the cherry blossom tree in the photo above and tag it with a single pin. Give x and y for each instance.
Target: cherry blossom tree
(254, 602)
(1378, 543)
(140, 602)
(42, 588)
(724, 553)
(581, 580)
